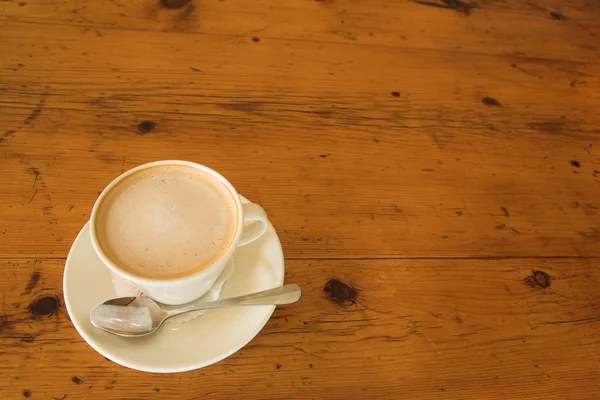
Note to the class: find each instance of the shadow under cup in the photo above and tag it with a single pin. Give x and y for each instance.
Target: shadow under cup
(170, 227)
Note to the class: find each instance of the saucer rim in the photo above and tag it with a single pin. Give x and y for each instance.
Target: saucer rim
(146, 368)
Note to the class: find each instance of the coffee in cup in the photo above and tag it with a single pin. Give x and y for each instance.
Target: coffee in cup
(170, 227)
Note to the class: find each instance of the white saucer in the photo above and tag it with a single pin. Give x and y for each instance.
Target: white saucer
(182, 346)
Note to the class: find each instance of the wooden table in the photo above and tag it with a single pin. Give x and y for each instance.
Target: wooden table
(432, 168)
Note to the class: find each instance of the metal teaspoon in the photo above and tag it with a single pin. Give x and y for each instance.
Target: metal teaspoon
(140, 316)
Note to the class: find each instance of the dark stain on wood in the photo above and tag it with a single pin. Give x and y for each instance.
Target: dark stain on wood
(34, 114)
(46, 209)
(557, 16)
(28, 339)
(246, 106)
(33, 196)
(174, 4)
(324, 113)
(44, 306)
(157, 390)
(575, 163)
(525, 71)
(38, 108)
(490, 101)
(460, 6)
(77, 380)
(396, 94)
(552, 128)
(255, 39)
(459, 213)
(456, 5)
(26, 393)
(592, 233)
(539, 279)
(278, 366)
(145, 127)
(195, 69)
(35, 172)
(339, 292)
(6, 135)
(505, 211)
(33, 280)
(5, 324)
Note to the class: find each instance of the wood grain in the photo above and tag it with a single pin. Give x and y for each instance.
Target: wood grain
(344, 170)
(565, 30)
(417, 329)
(438, 157)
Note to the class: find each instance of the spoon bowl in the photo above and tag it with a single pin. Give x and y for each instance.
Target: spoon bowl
(128, 316)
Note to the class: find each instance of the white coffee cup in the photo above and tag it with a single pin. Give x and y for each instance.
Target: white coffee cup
(252, 222)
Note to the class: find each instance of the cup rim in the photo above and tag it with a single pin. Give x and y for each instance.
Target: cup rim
(154, 281)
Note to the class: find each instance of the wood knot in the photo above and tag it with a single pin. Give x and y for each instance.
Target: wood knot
(460, 6)
(557, 16)
(77, 380)
(146, 126)
(539, 279)
(340, 292)
(174, 4)
(44, 306)
(490, 101)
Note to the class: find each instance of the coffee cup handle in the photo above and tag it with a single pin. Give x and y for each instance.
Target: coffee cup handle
(255, 223)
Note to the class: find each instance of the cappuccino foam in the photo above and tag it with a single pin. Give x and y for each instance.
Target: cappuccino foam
(167, 221)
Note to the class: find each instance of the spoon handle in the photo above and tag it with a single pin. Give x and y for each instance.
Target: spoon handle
(285, 294)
